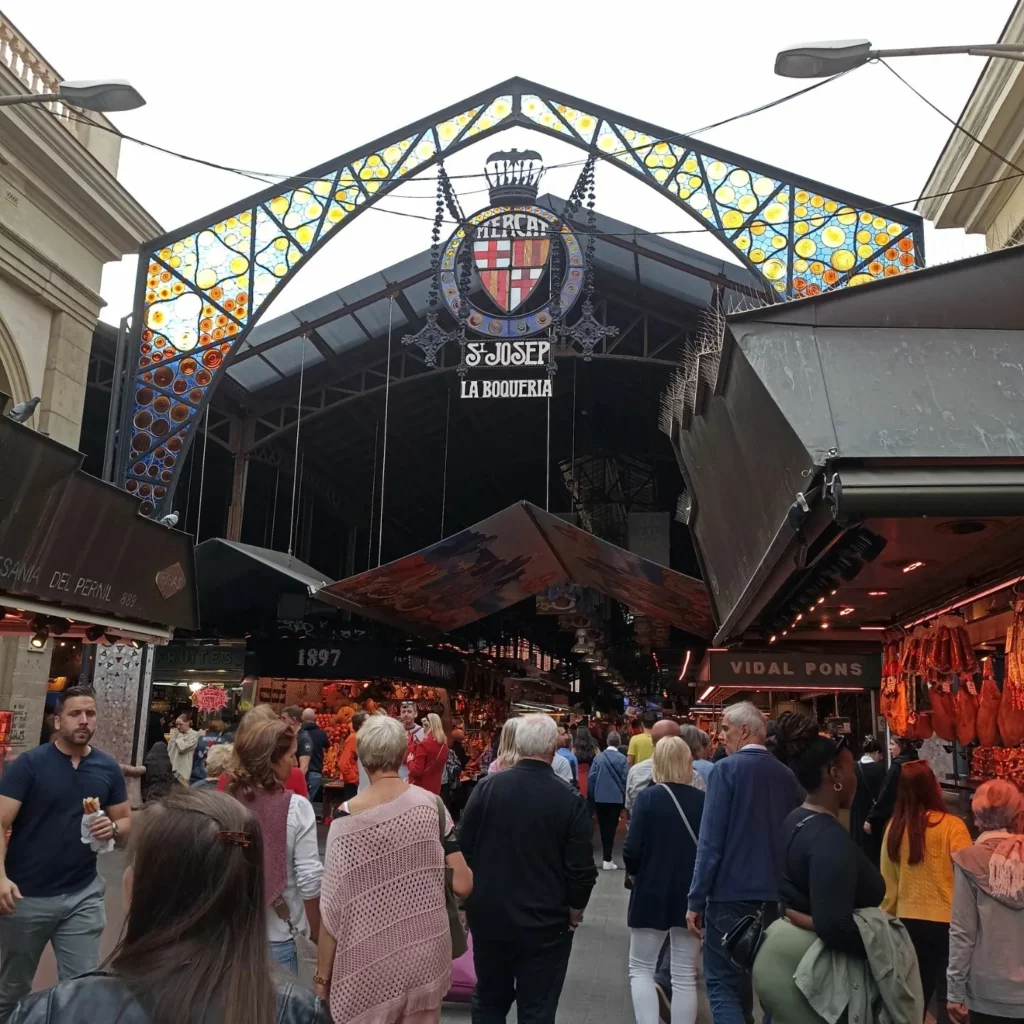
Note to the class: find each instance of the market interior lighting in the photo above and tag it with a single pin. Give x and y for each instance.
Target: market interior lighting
(824, 625)
(912, 566)
(847, 611)
(195, 687)
(706, 693)
(878, 593)
(873, 629)
(772, 638)
(38, 642)
(821, 600)
(686, 664)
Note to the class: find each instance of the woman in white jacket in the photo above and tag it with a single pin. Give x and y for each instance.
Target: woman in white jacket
(181, 748)
(292, 870)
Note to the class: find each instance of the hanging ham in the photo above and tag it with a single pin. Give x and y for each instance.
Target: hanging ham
(988, 709)
(1010, 719)
(966, 716)
(943, 714)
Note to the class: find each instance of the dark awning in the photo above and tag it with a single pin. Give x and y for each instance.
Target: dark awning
(75, 546)
(241, 582)
(881, 404)
(507, 558)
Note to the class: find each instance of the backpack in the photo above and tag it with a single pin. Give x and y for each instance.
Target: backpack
(452, 774)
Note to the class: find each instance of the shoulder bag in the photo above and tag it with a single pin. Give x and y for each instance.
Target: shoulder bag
(628, 880)
(743, 940)
(455, 928)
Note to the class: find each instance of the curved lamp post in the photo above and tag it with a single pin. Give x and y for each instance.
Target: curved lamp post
(102, 97)
(821, 60)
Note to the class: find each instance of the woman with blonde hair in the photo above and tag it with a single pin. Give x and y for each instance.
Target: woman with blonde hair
(659, 853)
(264, 755)
(218, 761)
(427, 761)
(985, 977)
(507, 755)
(387, 852)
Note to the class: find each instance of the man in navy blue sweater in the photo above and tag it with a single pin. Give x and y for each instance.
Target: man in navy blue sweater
(739, 855)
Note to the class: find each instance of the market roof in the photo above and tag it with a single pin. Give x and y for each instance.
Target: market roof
(342, 321)
(511, 556)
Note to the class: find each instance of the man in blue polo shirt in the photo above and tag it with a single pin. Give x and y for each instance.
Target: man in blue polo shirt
(49, 888)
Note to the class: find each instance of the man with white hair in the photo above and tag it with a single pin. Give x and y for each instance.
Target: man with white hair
(527, 837)
(739, 853)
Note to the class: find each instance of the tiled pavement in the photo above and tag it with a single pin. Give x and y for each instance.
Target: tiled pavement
(596, 988)
(597, 985)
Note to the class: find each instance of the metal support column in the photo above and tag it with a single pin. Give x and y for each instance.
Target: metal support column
(241, 439)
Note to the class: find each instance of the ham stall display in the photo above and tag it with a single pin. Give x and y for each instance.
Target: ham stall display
(930, 684)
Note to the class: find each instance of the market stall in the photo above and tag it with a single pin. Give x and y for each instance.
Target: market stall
(877, 496)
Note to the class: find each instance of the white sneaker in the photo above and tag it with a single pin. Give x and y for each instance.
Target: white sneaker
(609, 865)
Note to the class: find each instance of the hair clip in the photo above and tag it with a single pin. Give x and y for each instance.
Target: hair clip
(235, 838)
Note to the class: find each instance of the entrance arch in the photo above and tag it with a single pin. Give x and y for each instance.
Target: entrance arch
(201, 288)
(13, 375)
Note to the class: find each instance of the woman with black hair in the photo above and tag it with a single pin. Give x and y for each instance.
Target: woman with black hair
(870, 776)
(825, 875)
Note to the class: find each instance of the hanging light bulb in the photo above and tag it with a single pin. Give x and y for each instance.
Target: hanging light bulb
(580, 647)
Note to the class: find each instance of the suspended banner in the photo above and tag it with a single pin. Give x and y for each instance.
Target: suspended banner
(518, 553)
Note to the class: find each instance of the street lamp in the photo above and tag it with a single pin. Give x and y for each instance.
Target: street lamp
(821, 60)
(102, 97)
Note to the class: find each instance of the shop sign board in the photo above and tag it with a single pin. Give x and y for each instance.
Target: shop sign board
(755, 669)
(175, 662)
(71, 540)
(325, 660)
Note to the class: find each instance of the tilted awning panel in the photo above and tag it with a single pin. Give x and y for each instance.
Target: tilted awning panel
(511, 556)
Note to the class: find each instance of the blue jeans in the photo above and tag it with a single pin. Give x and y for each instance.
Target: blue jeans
(72, 924)
(729, 989)
(285, 954)
(314, 783)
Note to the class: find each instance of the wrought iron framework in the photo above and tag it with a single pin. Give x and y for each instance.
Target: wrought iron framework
(202, 288)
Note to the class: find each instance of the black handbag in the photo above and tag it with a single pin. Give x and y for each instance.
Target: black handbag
(742, 942)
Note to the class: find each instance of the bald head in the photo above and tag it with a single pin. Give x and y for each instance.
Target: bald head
(664, 727)
(308, 715)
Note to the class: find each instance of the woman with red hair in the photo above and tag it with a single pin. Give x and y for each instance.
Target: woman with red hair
(917, 865)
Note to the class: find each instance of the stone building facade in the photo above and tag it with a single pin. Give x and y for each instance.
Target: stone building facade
(63, 215)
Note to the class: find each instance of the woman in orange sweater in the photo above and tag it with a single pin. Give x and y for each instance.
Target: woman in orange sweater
(917, 865)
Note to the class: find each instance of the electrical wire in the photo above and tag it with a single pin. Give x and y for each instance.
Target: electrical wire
(952, 120)
(274, 178)
(809, 218)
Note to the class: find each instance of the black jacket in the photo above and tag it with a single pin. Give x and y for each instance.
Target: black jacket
(660, 853)
(881, 810)
(102, 997)
(527, 837)
(870, 776)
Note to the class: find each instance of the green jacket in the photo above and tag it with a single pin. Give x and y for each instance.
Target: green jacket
(885, 987)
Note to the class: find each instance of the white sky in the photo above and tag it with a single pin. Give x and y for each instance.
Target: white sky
(279, 87)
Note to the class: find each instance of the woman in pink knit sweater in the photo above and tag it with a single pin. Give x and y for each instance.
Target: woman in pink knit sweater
(385, 949)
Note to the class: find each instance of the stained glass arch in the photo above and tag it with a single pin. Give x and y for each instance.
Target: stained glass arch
(201, 288)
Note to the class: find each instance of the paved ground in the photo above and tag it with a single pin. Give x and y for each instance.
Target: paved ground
(596, 989)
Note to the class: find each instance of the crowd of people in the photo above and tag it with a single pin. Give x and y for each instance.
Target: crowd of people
(735, 852)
